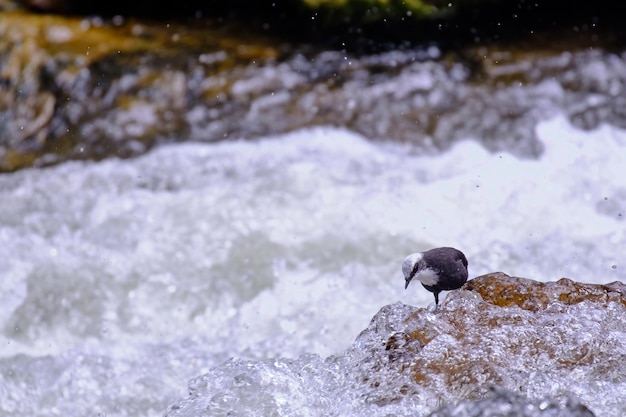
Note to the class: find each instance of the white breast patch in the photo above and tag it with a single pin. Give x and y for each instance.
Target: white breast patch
(427, 277)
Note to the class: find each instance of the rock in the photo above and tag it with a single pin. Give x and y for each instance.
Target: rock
(499, 331)
(502, 290)
(45, 58)
(80, 88)
(91, 88)
(507, 404)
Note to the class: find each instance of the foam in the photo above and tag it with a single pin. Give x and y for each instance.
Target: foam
(287, 245)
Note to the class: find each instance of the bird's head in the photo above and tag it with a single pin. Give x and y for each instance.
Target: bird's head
(411, 266)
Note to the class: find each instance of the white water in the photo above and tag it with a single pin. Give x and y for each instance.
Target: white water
(122, 280)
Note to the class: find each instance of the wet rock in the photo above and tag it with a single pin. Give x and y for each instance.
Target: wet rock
(80, 88)
(528, 336)
(91, 88)
(33, 74)
(507, 404)
(504, 291)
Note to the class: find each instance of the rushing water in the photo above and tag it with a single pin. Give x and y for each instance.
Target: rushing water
(121, 281)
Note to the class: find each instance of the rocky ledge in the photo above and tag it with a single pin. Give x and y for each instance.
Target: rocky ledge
(500, 346)
(533, 338)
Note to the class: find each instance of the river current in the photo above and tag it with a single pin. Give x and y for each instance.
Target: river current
(122, 280)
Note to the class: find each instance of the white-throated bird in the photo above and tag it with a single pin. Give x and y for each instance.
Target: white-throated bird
(439, 269)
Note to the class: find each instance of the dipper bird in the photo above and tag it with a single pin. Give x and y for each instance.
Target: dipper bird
(439, 269)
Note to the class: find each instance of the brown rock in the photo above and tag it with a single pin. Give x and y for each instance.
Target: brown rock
(499, 331)
(502, 290)
(86, 88)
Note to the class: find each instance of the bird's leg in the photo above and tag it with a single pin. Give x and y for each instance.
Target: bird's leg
(436, 301)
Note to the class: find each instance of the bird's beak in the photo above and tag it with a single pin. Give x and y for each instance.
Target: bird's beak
(407, 284)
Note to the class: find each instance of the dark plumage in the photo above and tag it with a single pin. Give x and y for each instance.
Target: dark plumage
(439, 269)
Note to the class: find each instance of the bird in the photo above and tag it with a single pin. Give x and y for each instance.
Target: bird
(439, 269)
